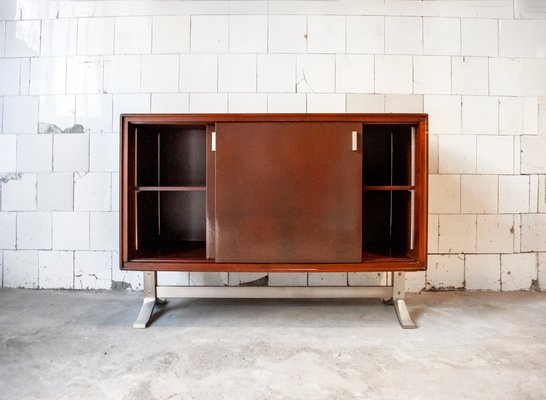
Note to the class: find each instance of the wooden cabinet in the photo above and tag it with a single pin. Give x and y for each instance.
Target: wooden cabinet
(292, 192)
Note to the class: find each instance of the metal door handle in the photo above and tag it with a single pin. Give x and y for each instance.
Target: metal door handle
(355, 141)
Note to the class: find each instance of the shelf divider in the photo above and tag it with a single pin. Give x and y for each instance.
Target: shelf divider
(388, 187)
(188, 188)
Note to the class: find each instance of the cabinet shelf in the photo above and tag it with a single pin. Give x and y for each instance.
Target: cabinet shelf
(387, 187)
(185, 188)
(178, 251)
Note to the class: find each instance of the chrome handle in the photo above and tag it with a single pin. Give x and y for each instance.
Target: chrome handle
(355, 141)
(213, 142)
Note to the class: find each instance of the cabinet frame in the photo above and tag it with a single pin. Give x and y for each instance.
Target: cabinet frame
(206, 122)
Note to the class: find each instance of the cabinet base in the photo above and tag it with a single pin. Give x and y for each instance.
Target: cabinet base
(154, 294)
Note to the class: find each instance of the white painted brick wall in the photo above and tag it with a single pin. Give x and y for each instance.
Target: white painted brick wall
(476, 68)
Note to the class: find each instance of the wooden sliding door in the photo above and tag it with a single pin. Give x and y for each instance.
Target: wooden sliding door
(288, 192)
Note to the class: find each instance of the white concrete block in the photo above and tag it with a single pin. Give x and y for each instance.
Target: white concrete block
(57, 114)
(122, 74)
(513, 194)
(115, 191)
(20, 114)
(84, 74)
(542, 271)
(104, 153)
(482, 272)
(208, 102)
(21, 269)
(479, 37)
(403, 35)
(533, 232)
(327, 279)
(479, 194)
(59, 37)
(522, 38)
(510, 115)
(533, 193)
(365, 34)
(286, 103)
(470, 75)
(34, 153)
(56, 269)
(245, 278)
(457, 154)
(2, 38)
(444, 194)
(432, 74)
(366, 103)
(10, 70)
(519, 271)
(517, 76)
(542, 194)
(129, 103)
(542, 115)
(92, 191)
(248, 33)
(444, 114)
(19, 194)
(209, 33)
(95, 36)
(495, 234)
(133, 35)
(287, 34)
(287, 279)
(247, 103)
(198, 73)
(315, 73)
(441, 36)
(124, 280)
(237, 73)
(71, 152)
(170, 103)
(22, 38)
(104, 231)
(415, 282)
(8, 146)
(354, 73)
(530, 115)
(432, 232)
(70, 230)
(480, 115)
(366, 278)
(433, 154)
(393, 74)
(403, 103)
(92, 270)
(533, 149)
(325, 34)
(34, 230)
(7, 230)
(457, 234)
(445, 271)
(171, 34)
(94, 112)
(160, 73)
(55, 191)
(24, 84)
(208, 279)
(276, 73)
(325, 103)
(495, 155)
(173, 278)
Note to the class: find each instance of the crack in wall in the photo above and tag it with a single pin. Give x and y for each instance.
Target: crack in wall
(46, 127)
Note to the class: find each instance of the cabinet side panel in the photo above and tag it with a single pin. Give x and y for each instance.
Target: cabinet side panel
(288, 192)
(211, 193)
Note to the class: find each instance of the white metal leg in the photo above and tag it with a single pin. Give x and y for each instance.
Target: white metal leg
(152, 292)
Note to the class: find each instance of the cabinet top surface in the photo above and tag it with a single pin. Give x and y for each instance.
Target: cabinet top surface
(384, 118)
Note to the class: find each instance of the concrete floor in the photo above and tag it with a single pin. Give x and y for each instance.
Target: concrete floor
(80, 345)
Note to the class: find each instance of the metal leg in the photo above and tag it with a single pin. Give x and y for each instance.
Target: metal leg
(150, 300)
(398, 293)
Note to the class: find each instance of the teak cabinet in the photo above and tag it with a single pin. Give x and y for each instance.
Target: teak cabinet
(274, 192)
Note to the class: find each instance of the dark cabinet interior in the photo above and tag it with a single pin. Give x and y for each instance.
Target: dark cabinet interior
(279, 193)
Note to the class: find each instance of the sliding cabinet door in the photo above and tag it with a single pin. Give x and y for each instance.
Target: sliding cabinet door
(288, 192)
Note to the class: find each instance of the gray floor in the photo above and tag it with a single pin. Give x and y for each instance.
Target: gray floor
(80, 345)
